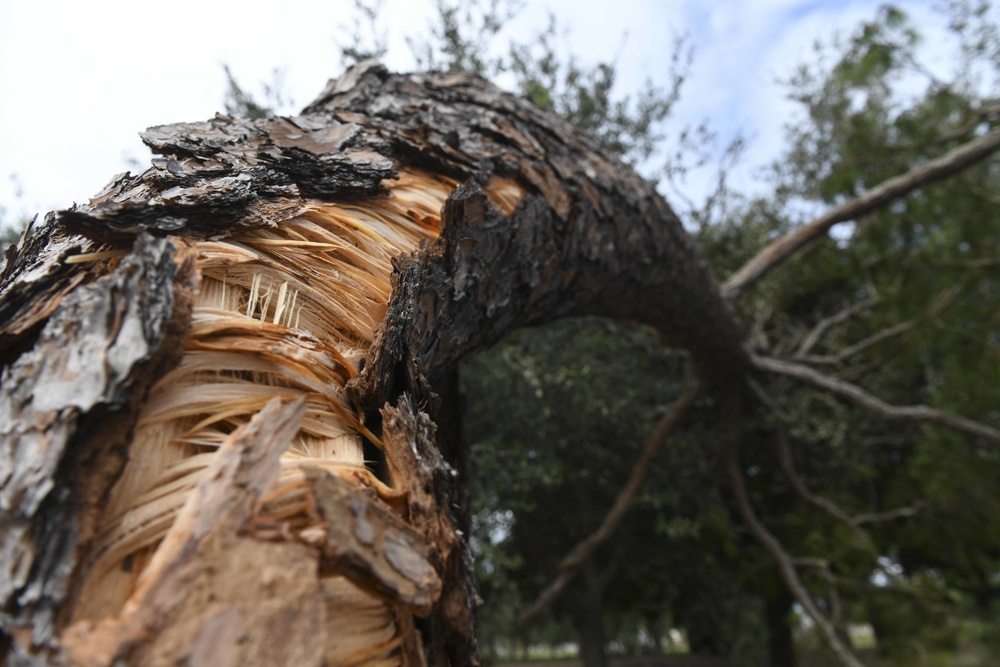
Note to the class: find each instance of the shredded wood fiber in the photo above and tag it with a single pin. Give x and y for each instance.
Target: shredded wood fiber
(285, 311)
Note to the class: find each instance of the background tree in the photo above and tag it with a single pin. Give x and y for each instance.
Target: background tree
(885, 305)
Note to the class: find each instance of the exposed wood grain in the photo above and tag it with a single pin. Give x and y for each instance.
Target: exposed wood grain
(170, 599)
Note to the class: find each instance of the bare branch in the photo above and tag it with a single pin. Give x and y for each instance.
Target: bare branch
(892, 515)
(848, 352)
(972, 263)
(857, 372)
(863, 398)
(781, 249)
(583, 550)
(824, 325)
(788, 463)
(823, 565)
(946, 298)
(785, 564)
(898, 587)
(825, 504)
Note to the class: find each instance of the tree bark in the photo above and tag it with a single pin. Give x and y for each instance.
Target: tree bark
(590, 619)
(217, 376)
(780, 641)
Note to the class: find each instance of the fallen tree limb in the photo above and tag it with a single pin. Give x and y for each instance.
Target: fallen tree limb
(301, 260)
(585, 548)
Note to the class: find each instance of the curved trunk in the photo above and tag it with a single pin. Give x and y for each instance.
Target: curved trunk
(217, 376)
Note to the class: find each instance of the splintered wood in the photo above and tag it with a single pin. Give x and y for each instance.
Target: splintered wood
(289, 312)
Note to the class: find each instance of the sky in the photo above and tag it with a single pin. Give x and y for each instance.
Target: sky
(79, 80)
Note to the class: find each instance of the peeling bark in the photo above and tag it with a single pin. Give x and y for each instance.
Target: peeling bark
(92, 361)
(368, 543)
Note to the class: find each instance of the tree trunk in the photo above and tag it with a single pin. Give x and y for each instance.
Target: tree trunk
(780, 641)
(590, 619)
(216, 401)
(653, 622)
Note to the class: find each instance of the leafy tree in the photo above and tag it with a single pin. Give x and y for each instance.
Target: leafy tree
(537, 486)
(915, 285)
(12, 222)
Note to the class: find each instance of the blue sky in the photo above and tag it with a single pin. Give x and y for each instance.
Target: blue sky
(79, 80)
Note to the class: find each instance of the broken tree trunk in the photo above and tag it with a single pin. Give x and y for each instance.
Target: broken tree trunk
(216, 410)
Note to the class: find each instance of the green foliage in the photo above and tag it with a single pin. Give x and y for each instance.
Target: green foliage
(12, 223)
(556, 418)
(366, 40)
(461, 35)
(894, 624)
(240, 103)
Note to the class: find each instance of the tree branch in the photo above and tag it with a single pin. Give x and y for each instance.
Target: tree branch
(897, 587)
(781, 249)
(940, 303)
(863, 398)
(823, 565)
(856, 372)
(785, 563)
(848, 352)
(973, 263)
(583, 550)
(823, 325)
(788, 463)
(825, 504)
(891, 515)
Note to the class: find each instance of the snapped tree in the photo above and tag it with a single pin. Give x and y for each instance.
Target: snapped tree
(217, 405)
